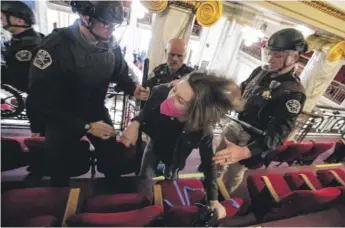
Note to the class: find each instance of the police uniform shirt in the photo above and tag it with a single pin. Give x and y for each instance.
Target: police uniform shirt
(18, 55)
(161, 74)
(272, 104)
(70, 78)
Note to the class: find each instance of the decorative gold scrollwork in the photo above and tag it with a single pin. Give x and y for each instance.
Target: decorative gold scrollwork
(207, 12)
(337, 52)
(156, 6)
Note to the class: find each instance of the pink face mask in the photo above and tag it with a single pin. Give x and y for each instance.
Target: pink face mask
(168, 108)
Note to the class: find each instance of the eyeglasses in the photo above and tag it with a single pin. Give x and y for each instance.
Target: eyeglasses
(105, 24)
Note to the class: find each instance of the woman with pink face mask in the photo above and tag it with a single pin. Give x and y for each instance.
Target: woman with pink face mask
(178, 119)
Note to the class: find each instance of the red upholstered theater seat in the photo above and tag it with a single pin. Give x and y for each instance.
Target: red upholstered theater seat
(333, 178)
(318, 148)
(12, 153)
(82, 156)
(293, 152)
(125, 209)
(115, 203)
(272, 198)
(146, 216)
(128, 159)
(42, 206)
(258, 162)
(179, 198)
(302, 180)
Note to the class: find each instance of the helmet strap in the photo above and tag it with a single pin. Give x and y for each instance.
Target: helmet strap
(89, 27)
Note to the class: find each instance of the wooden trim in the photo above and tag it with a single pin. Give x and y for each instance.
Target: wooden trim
(157, 195)
(337, 177)
(223, 189)
(307, 181)
(270, 188)
(71, 205)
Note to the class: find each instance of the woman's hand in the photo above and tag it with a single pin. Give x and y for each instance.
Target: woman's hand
(214, 204)
(129, 136)
(231, 154)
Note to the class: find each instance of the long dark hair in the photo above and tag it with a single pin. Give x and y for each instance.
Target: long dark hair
(214, 96)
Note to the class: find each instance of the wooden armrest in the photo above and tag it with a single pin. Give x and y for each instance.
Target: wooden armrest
(71, 205)
(157, 195)
(307, 181)
(270, 188)
(337, 177)
(222, 189)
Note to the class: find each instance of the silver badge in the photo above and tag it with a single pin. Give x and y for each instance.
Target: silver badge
(23, 55)
(293, 106)
(42, 59)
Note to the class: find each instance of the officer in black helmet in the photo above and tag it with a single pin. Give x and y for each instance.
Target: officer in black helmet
(69, 79)
(274, 97)
(18, 18)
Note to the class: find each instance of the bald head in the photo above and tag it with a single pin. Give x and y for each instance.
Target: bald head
(176, 49)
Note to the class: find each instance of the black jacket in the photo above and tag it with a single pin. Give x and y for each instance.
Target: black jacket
(171, 144)
(273, 109)
(161, 75)
(69, 79)
(18, 54)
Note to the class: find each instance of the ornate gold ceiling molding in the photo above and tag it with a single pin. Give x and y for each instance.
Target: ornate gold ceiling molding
(310, 13)
(326, 8)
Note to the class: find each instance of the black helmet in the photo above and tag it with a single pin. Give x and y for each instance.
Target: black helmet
(110, 12)
(18, 9)
(287, 39)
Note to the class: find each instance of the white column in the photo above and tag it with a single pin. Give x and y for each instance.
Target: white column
(317, 76)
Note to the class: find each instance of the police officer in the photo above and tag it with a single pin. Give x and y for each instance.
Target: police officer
(274, 97)
(69, 80)
(18, 18)
(174, 68)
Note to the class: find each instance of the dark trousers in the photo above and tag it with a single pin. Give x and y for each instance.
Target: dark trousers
(65, 157)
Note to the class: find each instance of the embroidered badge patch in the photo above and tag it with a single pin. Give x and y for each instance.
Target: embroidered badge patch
(23, 55)
(42, 59)
(293, 106)
(266, 94)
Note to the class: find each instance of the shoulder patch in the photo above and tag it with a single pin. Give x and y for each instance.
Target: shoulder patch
(23, 55)
(293, 106)
(42, 59)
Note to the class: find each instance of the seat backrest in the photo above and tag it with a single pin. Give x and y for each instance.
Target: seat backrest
(300, 147)
(32, 202)
(182, 192)
(302, 180)
(278, 183)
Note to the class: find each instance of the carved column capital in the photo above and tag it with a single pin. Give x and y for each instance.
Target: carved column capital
(207, 12)
(335, 49)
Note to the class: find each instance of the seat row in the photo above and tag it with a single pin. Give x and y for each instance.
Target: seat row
(303, 153)
(281, 196)
(172, 203)
(20, 151)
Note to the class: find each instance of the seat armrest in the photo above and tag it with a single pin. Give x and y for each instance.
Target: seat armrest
(71, 205)
(157, 195)
(307, 182)
(270, 188)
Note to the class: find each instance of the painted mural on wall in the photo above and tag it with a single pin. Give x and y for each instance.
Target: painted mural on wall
(254, 50)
